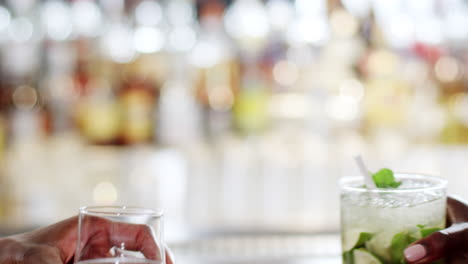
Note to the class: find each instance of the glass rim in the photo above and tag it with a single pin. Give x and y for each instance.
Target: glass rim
(438, 184)
(120, 210)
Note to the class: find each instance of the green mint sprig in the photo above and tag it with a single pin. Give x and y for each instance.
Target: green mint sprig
(385, 178)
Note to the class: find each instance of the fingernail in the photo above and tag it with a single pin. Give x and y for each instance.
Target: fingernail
(415, 252)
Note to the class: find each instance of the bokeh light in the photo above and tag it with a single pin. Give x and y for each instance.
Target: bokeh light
(343, 23)
(105, 193)
(148, 40)
(447, 69)
(25, 97)
(148, 13)
(281, 14)
(21, 29)
(5, 18)
(182, 38)
(56, 19)
(87, 18)
(285, 73)
(118, 44)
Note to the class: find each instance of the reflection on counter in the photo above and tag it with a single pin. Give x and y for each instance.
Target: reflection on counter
(254, 247)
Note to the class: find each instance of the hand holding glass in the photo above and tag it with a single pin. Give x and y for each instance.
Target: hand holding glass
(378, 224)
(120, 235)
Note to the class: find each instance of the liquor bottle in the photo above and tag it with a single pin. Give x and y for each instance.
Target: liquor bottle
(179, 119)
(86, 69)
(386, 89)
(217, 69)
(137, 99)
(61, 85)
(98, 111)
(251, 106)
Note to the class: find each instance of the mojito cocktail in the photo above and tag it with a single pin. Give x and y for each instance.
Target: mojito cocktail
(378, 224)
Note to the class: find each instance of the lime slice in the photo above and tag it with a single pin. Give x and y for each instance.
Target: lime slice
(362, 256)
(379, 245)
(350, 238)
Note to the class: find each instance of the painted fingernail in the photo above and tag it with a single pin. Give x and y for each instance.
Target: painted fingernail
(415, 252)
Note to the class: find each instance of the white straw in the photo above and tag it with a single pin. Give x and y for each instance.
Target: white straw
(365, 172)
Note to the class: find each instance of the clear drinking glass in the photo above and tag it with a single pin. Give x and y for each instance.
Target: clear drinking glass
(378, 224)
(120, 234)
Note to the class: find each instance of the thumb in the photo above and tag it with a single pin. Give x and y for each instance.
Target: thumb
(438, 245)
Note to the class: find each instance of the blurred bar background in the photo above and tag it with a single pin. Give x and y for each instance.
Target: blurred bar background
(234, 116)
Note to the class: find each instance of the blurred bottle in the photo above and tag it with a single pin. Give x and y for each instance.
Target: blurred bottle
(58, 86)
(247, 23)
(251, 106)
(218, 73)
(99, 111)
(137, 98)
(28, 122)
(81, 75)
(81, 78)
(179, 113)
(386, 89)
(447, 71)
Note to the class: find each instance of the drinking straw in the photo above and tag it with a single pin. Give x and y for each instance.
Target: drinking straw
(365, 172)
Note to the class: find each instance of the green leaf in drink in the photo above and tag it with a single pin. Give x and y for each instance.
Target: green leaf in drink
(348, 257)
(363, 238)
(399, 242)
(385, 178)
(428, 231)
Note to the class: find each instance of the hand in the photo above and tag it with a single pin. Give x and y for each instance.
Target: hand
(450, 243)
(56, 244)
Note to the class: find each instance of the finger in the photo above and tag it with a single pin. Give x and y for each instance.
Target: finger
(104, 234)
(457, 210)
(439, 245)
(61, 235)
(93, 238)
(42, 255)
(457, 259)
(135, 237)
(169, 256)
(96, 247)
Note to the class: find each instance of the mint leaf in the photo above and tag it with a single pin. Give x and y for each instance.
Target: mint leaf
(363, 238)
(384, 178)
(348, 257)
(428, 231)
(399, 242)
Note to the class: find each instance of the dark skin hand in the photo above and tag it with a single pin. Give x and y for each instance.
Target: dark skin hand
(450, 244)
(56, 244)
